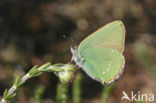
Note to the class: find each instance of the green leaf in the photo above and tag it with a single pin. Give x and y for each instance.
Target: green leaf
(44, 66)
(5, 93)
(32, 69)
(10, 96)
(16, 81)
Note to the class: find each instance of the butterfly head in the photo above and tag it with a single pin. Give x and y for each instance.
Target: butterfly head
(76, 58)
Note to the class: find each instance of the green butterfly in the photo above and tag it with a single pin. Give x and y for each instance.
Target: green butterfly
(100, 54)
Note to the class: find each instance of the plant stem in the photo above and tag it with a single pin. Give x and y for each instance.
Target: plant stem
(62, 93)
(38, 93)
(106, 92)
(77, 89)
(63, 71)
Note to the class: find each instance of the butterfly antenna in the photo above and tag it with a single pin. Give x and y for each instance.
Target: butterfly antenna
(71, 40)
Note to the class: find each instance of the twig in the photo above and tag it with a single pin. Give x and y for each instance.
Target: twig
(63, 71)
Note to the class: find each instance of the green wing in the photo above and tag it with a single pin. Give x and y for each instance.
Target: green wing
(102, 52)
(111, 35)
(103, 64)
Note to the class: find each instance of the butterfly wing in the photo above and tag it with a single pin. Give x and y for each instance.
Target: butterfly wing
(111, 35)
(103, 64)
(102, 52)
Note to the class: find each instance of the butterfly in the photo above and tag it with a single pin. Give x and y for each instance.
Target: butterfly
(100, 54)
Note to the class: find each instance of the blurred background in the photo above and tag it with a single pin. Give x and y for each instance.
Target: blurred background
(31, 33)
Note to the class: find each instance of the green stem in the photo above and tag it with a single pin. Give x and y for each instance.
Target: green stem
(63, 71)
(77, 89)
(105, 93)
(62, 93)
(38, 93)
